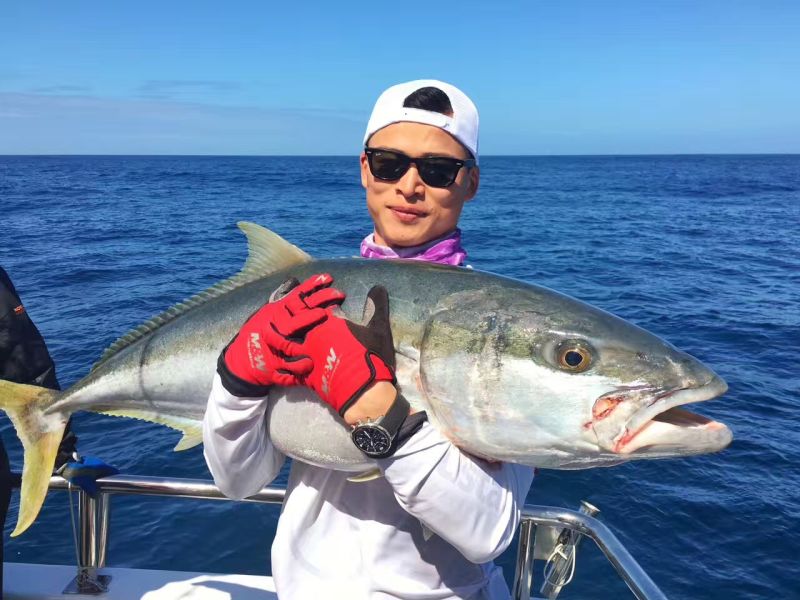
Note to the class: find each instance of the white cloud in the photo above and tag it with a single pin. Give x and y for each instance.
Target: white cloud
(85, 124)
(61, 89)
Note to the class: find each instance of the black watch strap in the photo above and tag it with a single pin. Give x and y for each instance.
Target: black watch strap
(398, 412)
(410, 426)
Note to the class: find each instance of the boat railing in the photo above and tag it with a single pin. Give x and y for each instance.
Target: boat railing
(93, 515)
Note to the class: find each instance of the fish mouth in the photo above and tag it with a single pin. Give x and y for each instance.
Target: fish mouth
(661, 428)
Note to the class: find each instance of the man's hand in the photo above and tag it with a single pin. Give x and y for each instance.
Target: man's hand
(348, 358)
(266, 351)
(66, 449)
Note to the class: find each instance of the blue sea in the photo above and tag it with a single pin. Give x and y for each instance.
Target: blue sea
(701, 250)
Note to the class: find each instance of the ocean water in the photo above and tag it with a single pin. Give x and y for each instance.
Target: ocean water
(702, 250)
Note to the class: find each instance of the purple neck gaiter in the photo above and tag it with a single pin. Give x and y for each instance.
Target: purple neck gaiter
(445, 250)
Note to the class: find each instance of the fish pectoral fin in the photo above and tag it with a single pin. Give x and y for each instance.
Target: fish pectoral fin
(191, 429)
(40, 435)
(366, 476)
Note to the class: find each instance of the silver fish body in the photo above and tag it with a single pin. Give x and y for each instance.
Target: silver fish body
(478, 352)
(506, 370)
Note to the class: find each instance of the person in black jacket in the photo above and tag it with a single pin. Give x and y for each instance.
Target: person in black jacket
(23, 359)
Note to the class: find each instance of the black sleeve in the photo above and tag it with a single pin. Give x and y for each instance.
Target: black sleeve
(23, 354)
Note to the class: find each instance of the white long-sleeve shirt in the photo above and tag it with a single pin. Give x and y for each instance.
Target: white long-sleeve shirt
(428, 529)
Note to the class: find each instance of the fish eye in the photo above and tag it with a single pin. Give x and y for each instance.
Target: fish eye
(574, 356)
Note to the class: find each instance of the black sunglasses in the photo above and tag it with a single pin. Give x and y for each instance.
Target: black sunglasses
(435, 171)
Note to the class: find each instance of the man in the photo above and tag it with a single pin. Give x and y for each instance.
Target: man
(432, 524)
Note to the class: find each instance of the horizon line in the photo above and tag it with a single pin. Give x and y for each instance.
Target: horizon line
(577, 155)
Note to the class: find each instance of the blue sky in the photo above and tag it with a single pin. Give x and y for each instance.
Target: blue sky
(260, 77)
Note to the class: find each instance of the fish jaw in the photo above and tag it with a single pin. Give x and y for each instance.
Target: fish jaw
(645, 422)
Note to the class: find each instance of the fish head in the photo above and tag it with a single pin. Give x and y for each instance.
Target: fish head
(527, 375)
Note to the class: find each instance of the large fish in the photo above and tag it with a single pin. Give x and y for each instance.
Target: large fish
(507, 370)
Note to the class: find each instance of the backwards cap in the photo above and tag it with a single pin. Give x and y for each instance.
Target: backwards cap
(463, 125)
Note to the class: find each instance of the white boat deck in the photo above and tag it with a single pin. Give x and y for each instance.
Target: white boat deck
(23, 581)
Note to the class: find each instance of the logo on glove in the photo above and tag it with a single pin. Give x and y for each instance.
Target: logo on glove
(330, 366)
(256, 353)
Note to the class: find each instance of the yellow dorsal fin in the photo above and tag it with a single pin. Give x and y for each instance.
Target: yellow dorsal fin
(267, 252)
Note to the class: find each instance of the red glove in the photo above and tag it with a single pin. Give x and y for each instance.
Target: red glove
(265, 352)
(348, 357)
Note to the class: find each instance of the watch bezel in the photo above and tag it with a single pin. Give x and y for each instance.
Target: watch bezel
(377, 427)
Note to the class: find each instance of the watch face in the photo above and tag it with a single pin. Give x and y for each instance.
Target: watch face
(371, 440)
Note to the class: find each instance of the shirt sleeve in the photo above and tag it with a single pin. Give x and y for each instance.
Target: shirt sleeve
(23, 354)
(471, 503)
(236, 447)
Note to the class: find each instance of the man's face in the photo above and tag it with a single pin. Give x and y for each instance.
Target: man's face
(408, 212)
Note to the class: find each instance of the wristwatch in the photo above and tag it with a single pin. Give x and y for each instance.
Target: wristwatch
(376, 437)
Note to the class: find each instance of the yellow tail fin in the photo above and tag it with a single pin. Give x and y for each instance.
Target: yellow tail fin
(40, 435)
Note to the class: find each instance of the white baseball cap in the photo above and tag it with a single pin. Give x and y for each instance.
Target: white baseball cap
(463, 125)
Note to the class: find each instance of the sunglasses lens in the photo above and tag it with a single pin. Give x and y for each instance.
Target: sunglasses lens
(388, 165)
(438, 172)
(435, 171)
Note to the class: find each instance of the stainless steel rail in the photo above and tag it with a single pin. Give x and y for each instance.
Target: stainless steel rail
(626, 566)
(93, 530)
